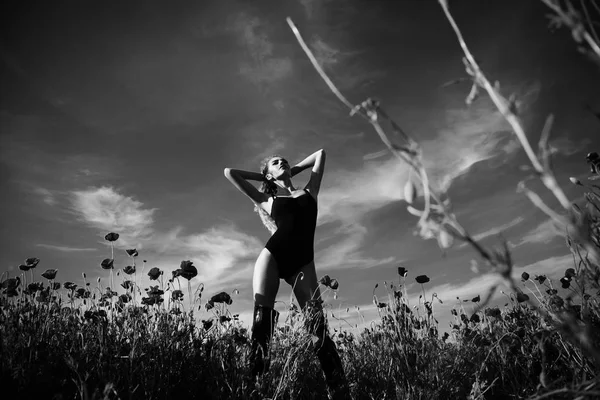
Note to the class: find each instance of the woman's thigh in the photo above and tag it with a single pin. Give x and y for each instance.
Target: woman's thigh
(305, 284)
(265, 282)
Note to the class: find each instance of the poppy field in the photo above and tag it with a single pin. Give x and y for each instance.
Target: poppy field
(147, 333)
(83, 340)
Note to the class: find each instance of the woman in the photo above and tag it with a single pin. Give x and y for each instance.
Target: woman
(290, 214)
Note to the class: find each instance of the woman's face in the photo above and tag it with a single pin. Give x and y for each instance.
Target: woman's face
(277, 168)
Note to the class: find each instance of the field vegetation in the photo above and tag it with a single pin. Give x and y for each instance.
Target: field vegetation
(159, 339)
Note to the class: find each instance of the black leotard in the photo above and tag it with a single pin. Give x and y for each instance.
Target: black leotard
(292, 244)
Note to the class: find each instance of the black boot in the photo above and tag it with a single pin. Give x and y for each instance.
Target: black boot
(327, 353)
(263, 326)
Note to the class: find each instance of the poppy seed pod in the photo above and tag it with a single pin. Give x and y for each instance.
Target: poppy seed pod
(422, 279)
(525, 276)
(540, 278)
(476, 299)
(402, 271)
(111, 237)
(50, 273)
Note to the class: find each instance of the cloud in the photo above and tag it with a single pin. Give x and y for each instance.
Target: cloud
(264, 68)
(495, 230)
(106, 209)
(222, 253)
(47, 196)
(543, 233)
(346, 252)
(66, 249)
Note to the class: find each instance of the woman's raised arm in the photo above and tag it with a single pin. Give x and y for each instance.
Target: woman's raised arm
(317, 162)
(240, 179)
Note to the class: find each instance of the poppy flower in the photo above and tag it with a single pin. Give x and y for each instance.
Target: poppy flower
(454, 312)
(540, 278)
(154, 291)
(221, 298)
(209, 305)
(56, 285)
(556, 301)
(525, 276)
(154, 273)
(10, 283)
(130, 269)
(402, 271)
(475, 318)
(50, 273)
(224, 318)
(334, 284)
(69, 285)
(107, 263)
(565, 282)
(24, 267)
(124, 298)
(422, 279)
(493, 312)
(111, 237)
(188, 271)
(150, 301)
(325, 280)
(127, 285)
(32, 262)
(207, 324)
(132, 252)
(35, 286)
(476, 299)
(570, 273)
(110, 293)
(521, 297)
(381, 305)
(177, 295)
(176, 273)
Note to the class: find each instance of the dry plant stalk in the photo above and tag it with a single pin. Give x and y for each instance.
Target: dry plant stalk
(437, 220)
(582, 29)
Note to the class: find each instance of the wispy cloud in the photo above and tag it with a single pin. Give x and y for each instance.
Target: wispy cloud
(495, 230)
(66, 249)
(543, 233)
(46, 195)
(222, 253)
(106, 209)
(347, 252)
(264, 67)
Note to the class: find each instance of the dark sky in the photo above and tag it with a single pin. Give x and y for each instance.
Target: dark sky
(120, 116)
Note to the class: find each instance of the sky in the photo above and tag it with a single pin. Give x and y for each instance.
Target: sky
(121, 116)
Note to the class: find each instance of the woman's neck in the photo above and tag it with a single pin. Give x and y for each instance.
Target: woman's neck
(286, 184)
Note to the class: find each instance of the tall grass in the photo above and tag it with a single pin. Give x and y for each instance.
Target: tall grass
(79, 341)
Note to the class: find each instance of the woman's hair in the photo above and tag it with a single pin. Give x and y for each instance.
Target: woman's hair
(270, 188)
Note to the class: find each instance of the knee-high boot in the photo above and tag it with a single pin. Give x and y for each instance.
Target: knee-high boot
(326, 351)
(263, 326)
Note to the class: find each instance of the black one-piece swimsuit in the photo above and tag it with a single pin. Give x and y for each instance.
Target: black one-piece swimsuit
(292, 244)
